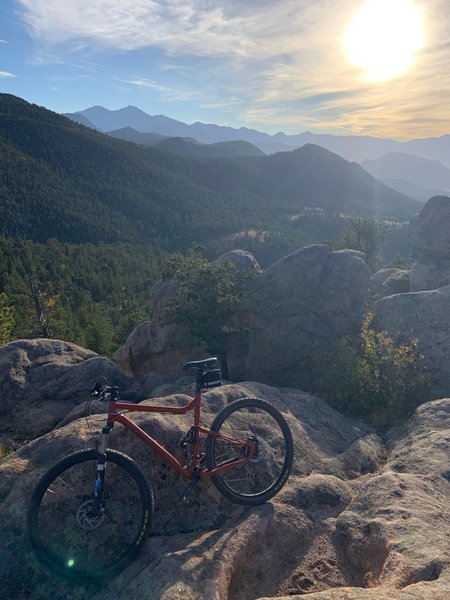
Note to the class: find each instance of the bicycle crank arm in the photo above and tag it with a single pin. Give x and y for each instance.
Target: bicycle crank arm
(188, 489)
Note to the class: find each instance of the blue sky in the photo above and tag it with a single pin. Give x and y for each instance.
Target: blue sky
(272, 66)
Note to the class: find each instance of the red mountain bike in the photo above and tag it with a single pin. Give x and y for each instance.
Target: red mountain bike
(89, 513)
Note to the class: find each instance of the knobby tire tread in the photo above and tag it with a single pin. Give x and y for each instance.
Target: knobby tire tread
(218, 481)
(49, 477)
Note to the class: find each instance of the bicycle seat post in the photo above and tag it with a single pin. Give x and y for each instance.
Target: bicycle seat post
(198, 381)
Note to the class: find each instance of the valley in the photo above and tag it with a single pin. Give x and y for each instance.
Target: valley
(70, 190)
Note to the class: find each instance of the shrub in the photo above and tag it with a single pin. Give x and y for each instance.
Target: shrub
(366, 235)
(399, 262)
(6, 320)
(375, 378)
(5, 449)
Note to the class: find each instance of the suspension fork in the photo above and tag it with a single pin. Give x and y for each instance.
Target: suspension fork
(97, 496)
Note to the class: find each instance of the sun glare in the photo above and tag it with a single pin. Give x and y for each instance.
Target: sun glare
(383, 38)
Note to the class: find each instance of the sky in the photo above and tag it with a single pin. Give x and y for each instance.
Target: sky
(376, 67)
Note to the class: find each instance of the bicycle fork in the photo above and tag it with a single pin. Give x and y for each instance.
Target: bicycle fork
(97, 496)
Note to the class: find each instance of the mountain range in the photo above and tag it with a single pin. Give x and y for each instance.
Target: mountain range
(183, 146)
(61, 179)
(417, 177)
(351, 147)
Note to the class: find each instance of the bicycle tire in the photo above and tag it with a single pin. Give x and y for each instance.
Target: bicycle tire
(260, 479)
(66, 539)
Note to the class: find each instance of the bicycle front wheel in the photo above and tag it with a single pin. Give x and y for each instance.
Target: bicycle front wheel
(65, 534)
(264, 475)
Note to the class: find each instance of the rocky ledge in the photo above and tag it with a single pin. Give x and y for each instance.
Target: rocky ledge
(360, 517)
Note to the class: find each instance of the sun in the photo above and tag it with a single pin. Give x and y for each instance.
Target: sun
(383, 38)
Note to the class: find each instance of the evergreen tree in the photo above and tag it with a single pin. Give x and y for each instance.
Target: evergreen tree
(366, 235)
(206, 300)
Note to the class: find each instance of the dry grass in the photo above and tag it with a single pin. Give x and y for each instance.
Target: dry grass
(5, 449)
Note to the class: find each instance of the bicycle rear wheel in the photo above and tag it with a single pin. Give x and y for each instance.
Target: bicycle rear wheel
(265, 474)
(67, 537)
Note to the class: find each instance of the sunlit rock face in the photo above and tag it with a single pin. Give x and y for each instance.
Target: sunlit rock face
(360, 517)
(422, 316)
(41, 380)
(430, 245)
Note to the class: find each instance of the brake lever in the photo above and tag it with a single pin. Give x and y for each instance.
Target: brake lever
(99, 386)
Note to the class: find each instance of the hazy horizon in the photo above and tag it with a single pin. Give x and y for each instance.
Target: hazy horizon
(260, 130)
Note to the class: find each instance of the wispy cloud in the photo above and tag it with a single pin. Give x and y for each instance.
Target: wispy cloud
(198, 27)
(179, 25)
(6, 74)
(284, 61)
(165, 92)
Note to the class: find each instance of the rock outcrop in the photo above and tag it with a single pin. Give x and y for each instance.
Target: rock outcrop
(41, 380)
(423, 316)
(357, 519)
(300, 309)
(398, 519)
(389, 281)
(242, 260)
(159, 345)
(429, 240)
(300, 306)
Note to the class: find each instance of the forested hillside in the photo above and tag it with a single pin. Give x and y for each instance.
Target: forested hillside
(60, 179)
(85, 218)
(87, 293)
(192, 148)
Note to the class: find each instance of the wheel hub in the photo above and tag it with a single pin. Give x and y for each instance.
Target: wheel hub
(86, 519)
(258, 455)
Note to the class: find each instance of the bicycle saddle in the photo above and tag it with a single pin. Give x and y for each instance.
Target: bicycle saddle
(207, 363)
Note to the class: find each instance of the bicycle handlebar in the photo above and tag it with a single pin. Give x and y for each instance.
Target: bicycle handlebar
(104, 392)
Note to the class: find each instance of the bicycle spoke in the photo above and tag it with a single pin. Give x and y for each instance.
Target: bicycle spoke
(255, 423)
(65, 531)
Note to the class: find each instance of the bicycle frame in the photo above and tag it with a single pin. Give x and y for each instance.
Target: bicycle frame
(247, 448)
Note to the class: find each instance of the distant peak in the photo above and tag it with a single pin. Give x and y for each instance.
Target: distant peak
(131, 108)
